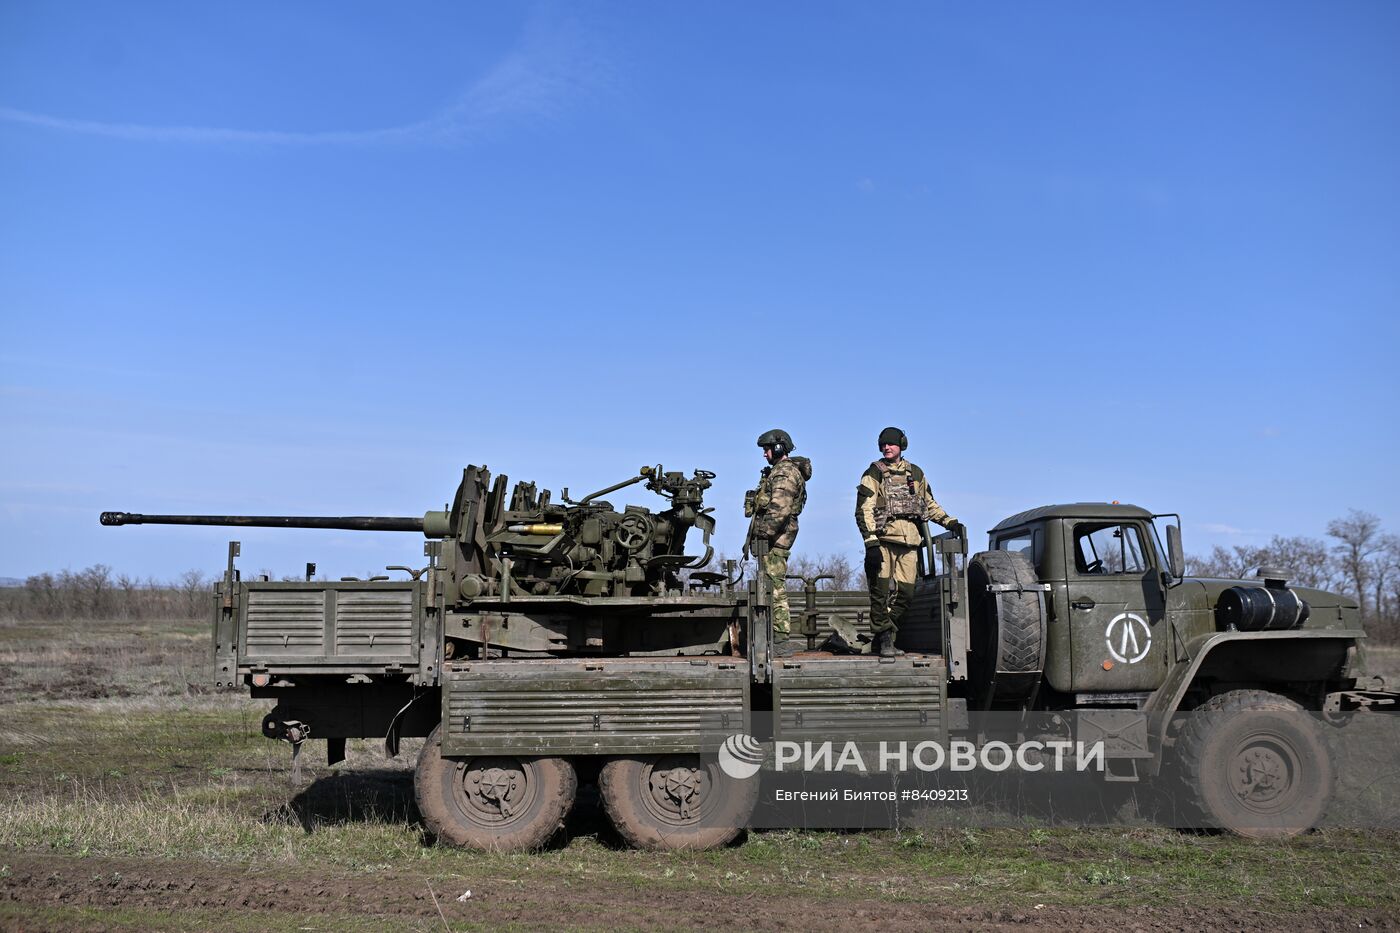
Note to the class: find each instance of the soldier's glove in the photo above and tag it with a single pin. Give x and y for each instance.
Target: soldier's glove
(874, 560)
(957, 528)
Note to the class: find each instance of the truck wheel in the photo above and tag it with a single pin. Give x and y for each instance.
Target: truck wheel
(674, 801)
(1009, 642)
(1254, 763)
(504, 803)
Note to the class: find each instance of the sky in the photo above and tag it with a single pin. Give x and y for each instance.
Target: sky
(315, 258)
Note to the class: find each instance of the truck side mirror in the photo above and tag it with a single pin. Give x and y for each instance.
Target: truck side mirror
(1176, 559)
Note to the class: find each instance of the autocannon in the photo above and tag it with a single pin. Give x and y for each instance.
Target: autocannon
(512, 570)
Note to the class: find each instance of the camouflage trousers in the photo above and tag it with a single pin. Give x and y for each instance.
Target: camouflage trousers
(890, 571)
(775, 569)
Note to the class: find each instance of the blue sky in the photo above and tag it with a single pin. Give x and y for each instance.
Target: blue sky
(314, 258)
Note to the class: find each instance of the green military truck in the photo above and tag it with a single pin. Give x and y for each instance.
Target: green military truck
(544, 643)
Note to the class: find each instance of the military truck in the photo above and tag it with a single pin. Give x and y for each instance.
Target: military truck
(547, 643)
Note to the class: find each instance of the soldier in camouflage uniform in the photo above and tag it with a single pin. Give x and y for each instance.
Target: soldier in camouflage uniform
(893, 502)
(774, 507)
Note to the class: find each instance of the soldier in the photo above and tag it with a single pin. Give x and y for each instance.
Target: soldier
(892, 503)
(774, 507)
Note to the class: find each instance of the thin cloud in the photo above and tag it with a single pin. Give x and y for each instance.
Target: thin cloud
(553, 65)
(1221, 529)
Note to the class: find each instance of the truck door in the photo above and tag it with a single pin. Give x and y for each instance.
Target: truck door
(1117, 608)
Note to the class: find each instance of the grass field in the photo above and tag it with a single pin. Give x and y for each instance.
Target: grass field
(132, 797)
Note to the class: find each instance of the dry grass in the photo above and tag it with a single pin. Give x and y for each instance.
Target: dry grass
(1384, 661)
(87, 819)
(170, 773)
(46, 660)
(1066, 867)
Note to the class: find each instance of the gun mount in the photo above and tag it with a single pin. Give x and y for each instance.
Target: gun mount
(520, 571)
(587, 548)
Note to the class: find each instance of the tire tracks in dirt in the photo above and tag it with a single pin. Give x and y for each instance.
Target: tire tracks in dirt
(173, 886)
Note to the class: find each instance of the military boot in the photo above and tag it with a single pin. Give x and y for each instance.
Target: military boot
(783, 648)
(884, 645)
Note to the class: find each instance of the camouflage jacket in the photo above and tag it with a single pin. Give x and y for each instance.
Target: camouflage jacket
(903, 484)
(781, 494)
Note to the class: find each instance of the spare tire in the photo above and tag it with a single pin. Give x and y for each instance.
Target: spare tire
(1006, 643)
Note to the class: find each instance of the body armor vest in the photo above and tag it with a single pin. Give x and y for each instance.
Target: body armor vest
(899, 498)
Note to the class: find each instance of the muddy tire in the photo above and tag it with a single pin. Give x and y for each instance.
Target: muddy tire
(500, 803)
(1255, 764)
(1007, 639)
(674, 801)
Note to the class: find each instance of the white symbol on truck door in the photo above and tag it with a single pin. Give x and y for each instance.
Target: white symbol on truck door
(1129, 639)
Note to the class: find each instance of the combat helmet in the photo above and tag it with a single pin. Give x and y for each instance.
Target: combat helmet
(779, 440)
(893, 436)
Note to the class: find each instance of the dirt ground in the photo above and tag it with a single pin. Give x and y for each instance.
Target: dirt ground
(268, 899)
(133, 799)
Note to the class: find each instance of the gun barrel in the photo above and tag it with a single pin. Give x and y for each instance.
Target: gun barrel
(343, 522)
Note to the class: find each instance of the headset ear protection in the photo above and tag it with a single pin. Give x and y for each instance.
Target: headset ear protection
(893, 436)
(779, 440)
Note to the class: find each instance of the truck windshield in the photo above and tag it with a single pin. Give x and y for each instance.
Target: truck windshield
(1100, 549)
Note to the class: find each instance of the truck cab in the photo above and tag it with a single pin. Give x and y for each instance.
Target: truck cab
(1107, 620)
(1123, 622)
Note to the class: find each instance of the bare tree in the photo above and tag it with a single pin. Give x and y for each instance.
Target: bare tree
(1385, 570)
(44, 595)
(96, 585)
(1358, 541)
(1390, 630)
(1306, 559)
(837, 565)
(195, 589)
(130, 588)
(1226, 563)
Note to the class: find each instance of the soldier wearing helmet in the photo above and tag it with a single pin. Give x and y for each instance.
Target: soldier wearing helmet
(892, 503)
(774, 507)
